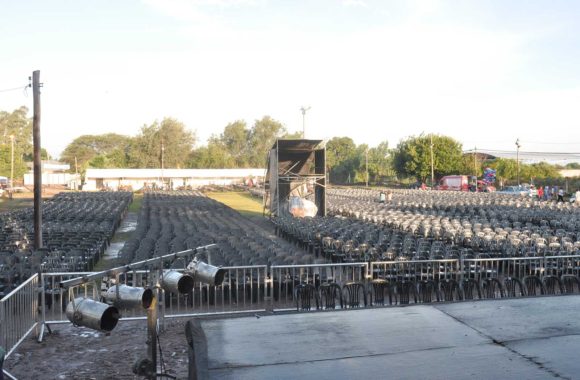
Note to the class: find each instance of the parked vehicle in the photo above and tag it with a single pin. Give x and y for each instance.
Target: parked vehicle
(457, 183)
(513, 190)
(463, 183)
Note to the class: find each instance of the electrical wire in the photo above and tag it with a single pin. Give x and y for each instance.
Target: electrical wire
(14, 89)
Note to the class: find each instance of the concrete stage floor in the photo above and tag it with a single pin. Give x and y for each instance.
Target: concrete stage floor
(525, 338)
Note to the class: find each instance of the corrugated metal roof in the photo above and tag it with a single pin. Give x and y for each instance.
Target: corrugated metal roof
(174, 173)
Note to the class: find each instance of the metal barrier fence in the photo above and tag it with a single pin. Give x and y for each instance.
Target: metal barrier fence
(18, 314)
(243, 289)
(285, 278)
(251, 288)
(416, 270)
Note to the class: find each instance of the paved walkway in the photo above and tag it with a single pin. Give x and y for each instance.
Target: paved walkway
(526, 338)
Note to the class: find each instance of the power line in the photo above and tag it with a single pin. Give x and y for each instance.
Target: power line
(483, 150)
(550, 143)
(14, 88)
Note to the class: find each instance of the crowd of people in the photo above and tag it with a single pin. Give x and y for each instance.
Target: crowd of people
(547, 193)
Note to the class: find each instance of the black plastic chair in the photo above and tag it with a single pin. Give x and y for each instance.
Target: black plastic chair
(329, 294)
(405, 291)
(513, 287)
(449, 290)
(427, 291)
(570, 283)
(378, 291)
(470, 289)
(304, 295)
(553, 285)
(534, 286)
(492, 288)
(352, 293)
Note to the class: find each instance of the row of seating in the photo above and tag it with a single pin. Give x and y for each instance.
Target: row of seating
(381, 292)
(430, 225)
(176, 221)
(76, 230)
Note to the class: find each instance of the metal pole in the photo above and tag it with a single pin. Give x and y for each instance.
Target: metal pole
(124, 269)
(367, 166)
(432, 165)
(304, 109)
(37, 163)
(162, 163)
(518, 159)
(475, 161)
(11, 162)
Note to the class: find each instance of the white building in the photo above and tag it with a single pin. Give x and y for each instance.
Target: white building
(136, 179)
(53, 173)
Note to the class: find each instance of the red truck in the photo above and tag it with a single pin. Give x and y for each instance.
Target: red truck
(463, 183)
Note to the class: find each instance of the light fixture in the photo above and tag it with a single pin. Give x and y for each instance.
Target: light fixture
(92, 314)
(205, 273)
(176, 282)
(129, 297)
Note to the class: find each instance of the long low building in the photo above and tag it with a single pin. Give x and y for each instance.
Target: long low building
(136, 179)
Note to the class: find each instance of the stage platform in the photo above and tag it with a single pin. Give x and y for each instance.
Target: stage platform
(524, 338)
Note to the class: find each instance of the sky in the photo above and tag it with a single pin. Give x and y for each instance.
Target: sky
(483, 72)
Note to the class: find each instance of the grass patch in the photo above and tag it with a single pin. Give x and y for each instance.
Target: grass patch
(242, 202)
(135, 206)
(15, 203)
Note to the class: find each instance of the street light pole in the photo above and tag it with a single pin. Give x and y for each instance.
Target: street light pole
(475, 161)
(518, 158)
(432, 165)
(162, 163)
(304, 109)
(11, 162)
(367, 166)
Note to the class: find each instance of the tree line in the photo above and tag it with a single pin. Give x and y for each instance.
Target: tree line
(170, 144)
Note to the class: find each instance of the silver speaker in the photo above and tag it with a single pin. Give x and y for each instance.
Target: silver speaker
(176, 282)
(206, 274)
(92, 314)
(129, 296)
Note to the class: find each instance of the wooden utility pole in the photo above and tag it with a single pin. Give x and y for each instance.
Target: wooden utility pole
(475, 161)
(432, 164)
(37, 164)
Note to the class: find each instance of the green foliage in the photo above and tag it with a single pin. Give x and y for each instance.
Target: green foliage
(98, 151)
(412, 157)
(168, 141)
(341, 159)
(238, 146)
(261, 138)
(19, 126)
(380, 162)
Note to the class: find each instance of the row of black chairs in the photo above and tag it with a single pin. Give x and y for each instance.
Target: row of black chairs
(381, 292)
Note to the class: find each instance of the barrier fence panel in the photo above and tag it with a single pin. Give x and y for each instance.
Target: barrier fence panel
(243, 289)
(54, 299)
(285, 279)
(416, 270)
(18, 314)
(561, 265)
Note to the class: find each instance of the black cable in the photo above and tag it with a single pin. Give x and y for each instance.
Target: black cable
(161, 361)
(14, 89)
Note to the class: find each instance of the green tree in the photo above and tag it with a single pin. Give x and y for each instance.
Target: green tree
(169, 140)
(16, 129)
(340, 153)
(261, 138)
(412, 157)
(235, 141)
(99, 151)
(380, 162)
(212, 156)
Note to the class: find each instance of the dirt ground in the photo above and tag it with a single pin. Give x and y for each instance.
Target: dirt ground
(79, 353)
